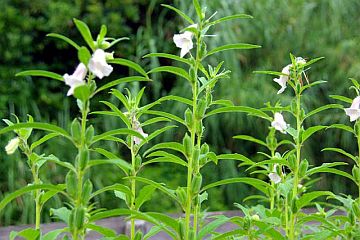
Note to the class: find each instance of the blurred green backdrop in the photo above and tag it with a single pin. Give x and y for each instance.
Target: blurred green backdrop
(307, 28)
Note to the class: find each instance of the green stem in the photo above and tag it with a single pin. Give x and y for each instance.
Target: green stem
(133, 188)
(358, 161)
(37, 197)
(273, 191)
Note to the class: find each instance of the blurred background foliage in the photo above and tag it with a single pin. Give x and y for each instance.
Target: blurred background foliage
(307, 28)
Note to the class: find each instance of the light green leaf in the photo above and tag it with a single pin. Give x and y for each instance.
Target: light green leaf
(66, 39)
(84, 55)
(155, 120)
(322, 108)
(310, 131)
(119, 113)
(115, 187)
(269, 73)
(250, 139)
(28, 234)
(343, 152)
(166, 145)
(130, 64)
(165, 157)
(258, 184)
(227, 18)
(307, 198)
(121, 131)
(116, 41)
(231, 47)
(166, 115)
(168, 56)
(62, 213)
(343, 127)
(237, 157)
(107, 232)
(43, 139)
(155, 134)
(342, 98)
(144, 195)
(82, 92)
(36, 125)
(120, 81)
(182, 14)
(53, 234)
(174, 70)
(212, 226)
(198, 9)
(85, 33)
(244, 109)
(41, 73)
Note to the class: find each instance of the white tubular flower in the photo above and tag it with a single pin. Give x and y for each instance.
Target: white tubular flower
(300, 60)
(354, 111)
(12, 146)
(138, 128)
(282, 80)
(274, 177)
(279, 123)
(184, 41)
(98, 65)
(76, 79)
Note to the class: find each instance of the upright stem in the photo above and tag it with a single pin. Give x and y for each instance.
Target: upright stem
(190, 173)
(133, 189)
(297, 163)
(358, 162)
(37, 197)
(273, 191)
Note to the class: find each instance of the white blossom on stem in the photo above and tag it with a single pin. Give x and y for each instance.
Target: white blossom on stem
(98, 65)
(12, 146)
(137, 127)
(76, 79)
(354, 111)
(279, 123)
(274, 176)
(184, 41)
(282, 80)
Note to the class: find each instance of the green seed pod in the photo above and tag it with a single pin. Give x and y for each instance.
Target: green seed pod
(76, 130)
(247, 223)
(79, 217)
(203, 50)
(192, 75)
(138, 235)
(208, 99)
(188, 118)
(86, 193)
(199, 128)
(72, 220)
(84, 157)
(356, 209)
(195, 158)
(356, 173)
(196, 183)
(182, 230)
(201, 109)
(292, 162)
(181, 195)
(89, 134)
(304, 165)
(204, 148)
(71, 181)
(191, 234)
(271, 140)
(187, 145)
(138, 162)
(294, 207)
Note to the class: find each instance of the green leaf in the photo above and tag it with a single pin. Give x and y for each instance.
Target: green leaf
(36, 125)
(61, 163)
(258, 184)
(310, 131)
(322, 108)
(144, 195)
(174, 70)
(118, 187)
(43, 139)
(66, 39)
(155, 134)
(116, 41)
(166, 145)
(198, 9)
(84, 55)
(85, 33)
(165, 157)
(237, 157)
(168, 56)
(28, 234)
(342, 98)
(155, 120)
(121, 97)
(250, 139)
(343, 152)
(227, 18)
(176, 98)
(324, 169)
(121, 131)
(41, 73)
(312, 61)
(130, 64)
(231, 47)
(107, 232)
(307, 198)
(303, 88)
(8, 198)
(269, 73)
(119, 113)
(82, 92)
(212, 226)
(166, 115)
(343, 127)
(223, 102)
(165, 219)
(234, 109)
(182, 14)
(53, 234)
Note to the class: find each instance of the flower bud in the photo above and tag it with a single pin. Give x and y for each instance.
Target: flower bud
(195, 158)
(138, 235)
(208, 99)
(192, 75)
(12, 146)
(76, 130)
(187, 145)
(79, 217)
(204, 148)
(255, 217)
(138, 162)
(181, 195)
(188, 118)
(292, 162)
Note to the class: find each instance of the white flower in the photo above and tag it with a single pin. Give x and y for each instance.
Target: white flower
(300, 60)
(12, 146)
(76, 79)
(279, 123)
(354, 111)
(282, 80)
(98, 64)
(274, 177)
(137, 127)
(184, 41)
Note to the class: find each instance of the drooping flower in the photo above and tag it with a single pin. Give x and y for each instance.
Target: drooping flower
(274, 176)
(12, 146)
(98, 65)
(76, 79)
(354, 110)
(300, 60)
(282, 80)
(279, 123)
(137, 127)
(184, 41)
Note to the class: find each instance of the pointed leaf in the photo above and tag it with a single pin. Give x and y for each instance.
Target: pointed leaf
(85, 33)
(174, 70)
(231, 47)
(41, 73)
(66, 39)
(130, 64)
